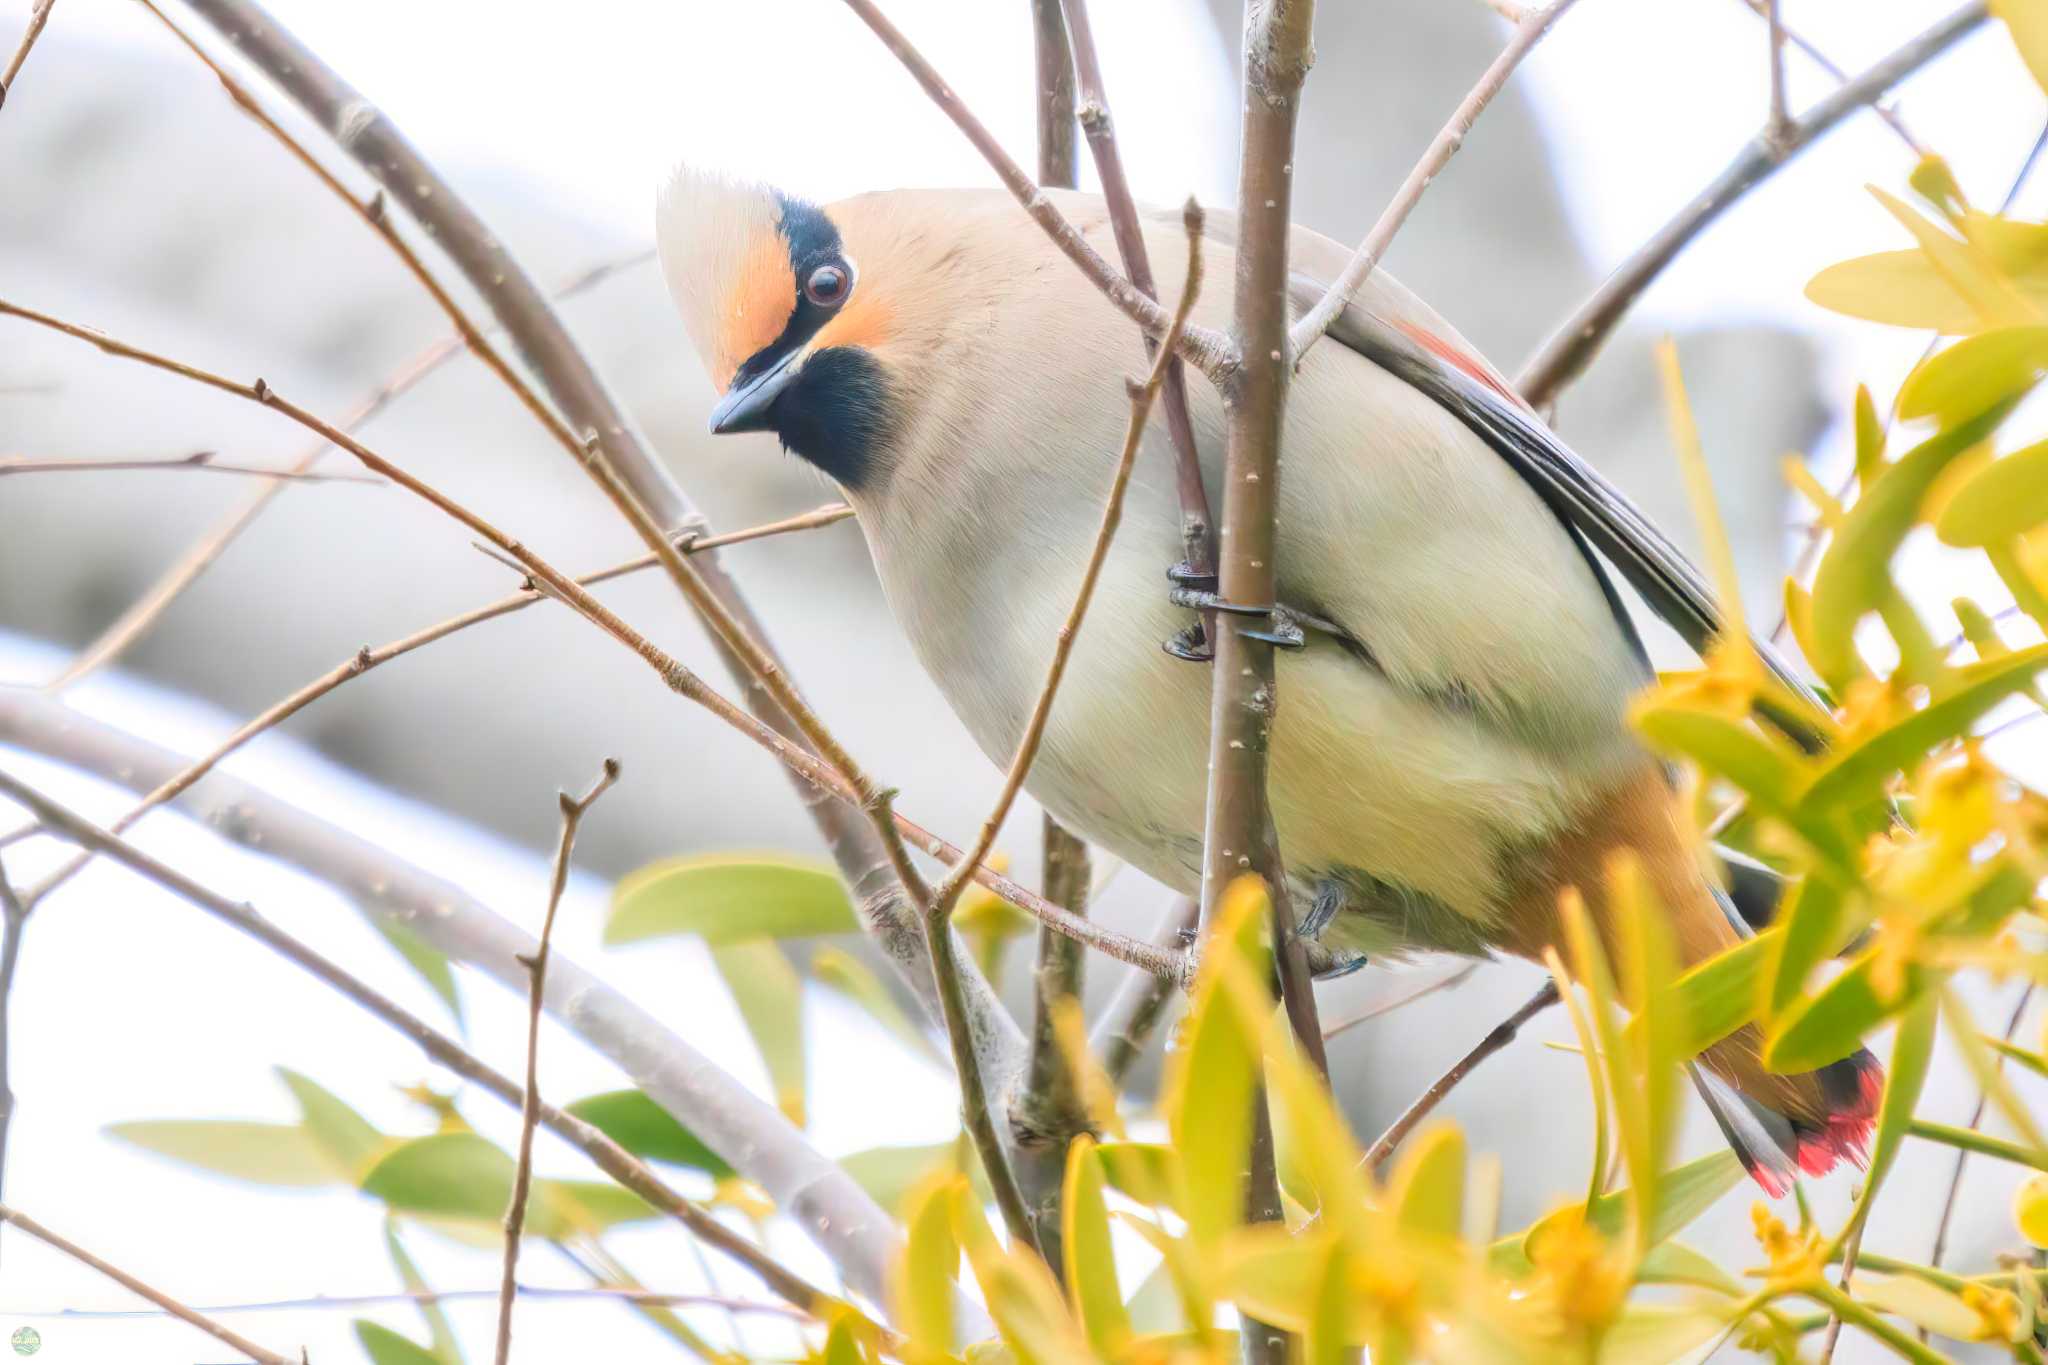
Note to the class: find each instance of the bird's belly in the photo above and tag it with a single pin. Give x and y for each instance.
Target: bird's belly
(1409, 804)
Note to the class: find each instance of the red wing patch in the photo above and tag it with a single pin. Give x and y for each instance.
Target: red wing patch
(1471, 365)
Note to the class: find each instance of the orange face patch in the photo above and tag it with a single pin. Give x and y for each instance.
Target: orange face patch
(864, 321)
(762, 299)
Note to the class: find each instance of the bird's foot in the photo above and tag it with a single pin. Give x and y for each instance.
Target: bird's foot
(1325, 962)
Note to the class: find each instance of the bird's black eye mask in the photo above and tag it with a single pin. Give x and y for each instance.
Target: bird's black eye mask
(823, 276)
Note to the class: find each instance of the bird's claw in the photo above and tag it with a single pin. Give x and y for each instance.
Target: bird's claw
(1190, 643)
(1281, 628)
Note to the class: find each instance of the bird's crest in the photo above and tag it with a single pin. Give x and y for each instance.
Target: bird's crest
(726, 264)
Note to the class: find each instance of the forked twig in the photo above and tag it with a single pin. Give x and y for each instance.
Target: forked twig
(1502, 1034)
(573, 809)
(37, 17)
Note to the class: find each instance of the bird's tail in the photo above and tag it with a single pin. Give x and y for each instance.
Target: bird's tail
(1785, 1126)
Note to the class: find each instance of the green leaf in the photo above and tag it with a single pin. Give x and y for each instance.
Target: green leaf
(852, 978)
(922, 1288)
(1684, 1193)
(1920, 1303)
(386, 1347)
(1976, 374)
(2004, 500)
(1857, 775)
(1769, 770)
(1854, 578)
(1328, 1338)
(770, 996)
(345, 1135)
(1090, 1258)
(1812, 916)
(430, 963)
(729, 898)
(1427, 1190)
(1143, 1171)
(1677, 1263)
(462, 1177)
(1899, 288)
(1831, 1024)
(1912, 1052)
(648, 1131)
(1654, 1334)
(262, 1153)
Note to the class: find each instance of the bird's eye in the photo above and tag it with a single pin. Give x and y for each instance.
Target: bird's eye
(827, 285)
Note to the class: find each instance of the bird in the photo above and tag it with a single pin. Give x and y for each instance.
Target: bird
(1451, 750)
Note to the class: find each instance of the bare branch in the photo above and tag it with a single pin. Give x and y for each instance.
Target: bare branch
(1955, 1175)
(1197, 523)
(1058, 152)
(1205, 350)
(156, 1296)
(37, 17)
(1381, 1008)
(1120, 1037)
(651, 1298)
(573, 809)
(1503, 1033)
(1238, 833)
(1528, 32)
(13, 920)
(201, 460)
(1572, 347)
(1778, 121)
(761, 1123)
(1047, 1111)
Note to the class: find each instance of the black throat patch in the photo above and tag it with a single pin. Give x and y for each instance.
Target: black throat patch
(836, 412)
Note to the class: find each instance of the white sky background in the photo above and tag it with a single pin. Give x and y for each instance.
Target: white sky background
(1642, 101)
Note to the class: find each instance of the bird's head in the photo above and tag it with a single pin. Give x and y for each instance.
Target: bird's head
(787, 306)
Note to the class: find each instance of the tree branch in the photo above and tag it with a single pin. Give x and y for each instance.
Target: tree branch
(202, 460)
(1047, 1111)
(1203, 349)
(129, 1282)
(1381, 1008)
(610, 448)
(13, 920)
(1197, 524)
(749, 1134)
(573, 809)
(1503, 1033)
(1058, 153)
(1572, 347)
(37, 17)
(1529, 30)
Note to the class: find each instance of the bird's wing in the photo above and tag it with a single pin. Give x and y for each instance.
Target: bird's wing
(1455, 379)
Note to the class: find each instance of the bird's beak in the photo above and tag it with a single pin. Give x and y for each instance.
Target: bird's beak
(745, 406)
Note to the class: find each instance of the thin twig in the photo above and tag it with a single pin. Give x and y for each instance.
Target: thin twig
(365, 659)
(1528, 32)
(981, 1122)
(1119, 1039)
(203, 460)
(573, 809)
(1850, 1250)
(1764, 9)
(1381, 1008)
(1574, 344)
(1197, 523)
(652, 1298)
(38, 17)
(1503, 1033)
(1778, 119)
(147, 610)
(1205, 350)
(613, 1159)
(1047, 1111)
(1955, 1175)
(129, 1282)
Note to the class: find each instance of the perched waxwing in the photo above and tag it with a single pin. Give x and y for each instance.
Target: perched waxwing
(1450, 751)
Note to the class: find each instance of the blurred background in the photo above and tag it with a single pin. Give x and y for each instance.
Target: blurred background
(137, 199)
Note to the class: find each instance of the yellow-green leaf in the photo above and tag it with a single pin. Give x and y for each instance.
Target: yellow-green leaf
(1976, 374)
(1920, 1303)
(854, 979)
(1912, 1052)
(1020, 1292)
(890, 1174)
(922, 1286)
(262, 1153)
(1328, 1339)
(1090, 1259)
(2027, 21)
(1427, 1189)
(344, 1134)
(1900, 288)
(770, 996)
(2000, 502)
(1655, 1334)
(729, 897)
(2030, 1209)
(1854, 577)
(386, 1347)
(1143, 1171)
(466, 1178)
(1830, 1024)
(1273, 1274)
(1720, 995)
(1812, 916)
